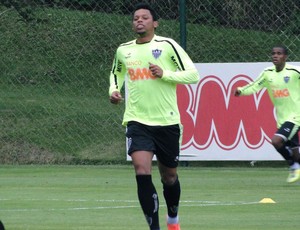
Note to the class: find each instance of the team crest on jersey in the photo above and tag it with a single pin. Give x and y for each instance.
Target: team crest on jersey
(286, 79)
(156, 53)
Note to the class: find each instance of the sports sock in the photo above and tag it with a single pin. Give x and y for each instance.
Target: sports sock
(295, 165)
(286, 154)
(296, 153)
(172, 196)
(172, 220)
(148, 199)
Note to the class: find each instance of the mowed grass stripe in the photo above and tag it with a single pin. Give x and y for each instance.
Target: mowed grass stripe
(114, 204)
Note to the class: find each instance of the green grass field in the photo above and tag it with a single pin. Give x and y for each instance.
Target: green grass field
(104, 197)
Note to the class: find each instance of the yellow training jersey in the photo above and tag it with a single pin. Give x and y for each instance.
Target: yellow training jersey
(151, 100)
(284, 91)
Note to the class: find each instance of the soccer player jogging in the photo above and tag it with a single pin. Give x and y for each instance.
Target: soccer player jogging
(152, 66)
(282, 82)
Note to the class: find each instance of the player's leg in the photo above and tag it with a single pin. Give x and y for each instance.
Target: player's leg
(293, 144)
(295, 147)
(141, 151)
(168, 145)
(171, 191)
(279, 144)
(284, 141)
(296, 153)
(147, 194)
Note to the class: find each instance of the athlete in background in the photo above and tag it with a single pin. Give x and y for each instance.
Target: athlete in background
(282, 82)
(152, 66)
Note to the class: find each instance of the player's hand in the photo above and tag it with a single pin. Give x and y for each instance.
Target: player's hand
(116, 97)
(237, 92)
(156, 70)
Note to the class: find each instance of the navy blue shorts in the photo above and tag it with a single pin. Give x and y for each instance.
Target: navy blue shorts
(289, 132)
(163, 141)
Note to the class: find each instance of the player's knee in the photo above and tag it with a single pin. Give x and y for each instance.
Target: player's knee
(142, 171)
(141, 168)
(277, 142)
(169, 178)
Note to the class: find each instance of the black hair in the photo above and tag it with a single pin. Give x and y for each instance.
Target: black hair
(284, 48)
(146, 6)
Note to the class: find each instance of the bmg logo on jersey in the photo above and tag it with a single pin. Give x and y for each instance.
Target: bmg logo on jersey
(280, 93)
(140, 74)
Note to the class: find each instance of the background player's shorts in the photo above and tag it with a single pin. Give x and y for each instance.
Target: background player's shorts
(163, 141)
(289, 132)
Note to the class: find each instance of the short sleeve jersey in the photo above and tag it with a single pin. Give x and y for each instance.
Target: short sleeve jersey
(284, 90)
(151, 100)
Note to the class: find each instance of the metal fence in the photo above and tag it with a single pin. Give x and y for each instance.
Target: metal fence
(56, 56)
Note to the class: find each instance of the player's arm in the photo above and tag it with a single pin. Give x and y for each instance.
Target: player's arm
(116, 79)
(252, 87)
(186, 72)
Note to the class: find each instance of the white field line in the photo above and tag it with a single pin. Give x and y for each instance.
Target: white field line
(184, 203)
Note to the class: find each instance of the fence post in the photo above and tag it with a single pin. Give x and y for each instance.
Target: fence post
(182, 19)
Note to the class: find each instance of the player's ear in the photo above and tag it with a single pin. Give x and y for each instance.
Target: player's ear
(155, 24)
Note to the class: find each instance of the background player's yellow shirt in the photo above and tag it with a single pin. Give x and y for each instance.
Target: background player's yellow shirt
(151, 100)
(284, 91)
